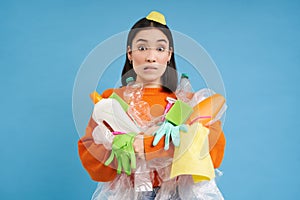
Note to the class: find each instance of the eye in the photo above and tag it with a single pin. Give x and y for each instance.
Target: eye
(161, 49)
(142, 48)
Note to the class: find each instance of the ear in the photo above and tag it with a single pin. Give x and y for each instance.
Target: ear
(129, 52)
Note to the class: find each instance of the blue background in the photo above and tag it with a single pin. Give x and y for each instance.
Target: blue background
(255, 45)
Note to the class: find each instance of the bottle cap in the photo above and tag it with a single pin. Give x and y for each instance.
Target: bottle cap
(184, 75)
(129, 79)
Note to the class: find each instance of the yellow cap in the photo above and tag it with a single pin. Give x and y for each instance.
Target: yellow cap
(157, 17)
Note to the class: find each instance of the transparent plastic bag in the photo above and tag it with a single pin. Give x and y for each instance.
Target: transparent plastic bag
(139, 110)
(168, 190)
(205, 190)
(102, 135)
(123, 187)
(140, 114)
(204, 94)
(110, 111)
(178, 188)
(200, 95)
(184, 89)
(219, 115)
(142, 177)
(120, 188)
(162, 166)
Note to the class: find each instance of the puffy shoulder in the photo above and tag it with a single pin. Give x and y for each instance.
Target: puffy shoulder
(96, 97)
(107, 93)
(118, 91)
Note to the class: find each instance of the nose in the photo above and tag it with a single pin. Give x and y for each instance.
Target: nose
(151, 60)
(150, 57)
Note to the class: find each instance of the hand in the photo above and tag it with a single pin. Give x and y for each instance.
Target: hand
(168, 129)
(122, 149)
(138, 146)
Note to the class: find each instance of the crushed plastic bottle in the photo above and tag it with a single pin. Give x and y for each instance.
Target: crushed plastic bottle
(133, 92)
(139, 110)
(184, 90)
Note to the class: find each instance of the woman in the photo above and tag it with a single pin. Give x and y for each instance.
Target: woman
(150, 60)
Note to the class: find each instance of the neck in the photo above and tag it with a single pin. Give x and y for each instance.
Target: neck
(152, 85)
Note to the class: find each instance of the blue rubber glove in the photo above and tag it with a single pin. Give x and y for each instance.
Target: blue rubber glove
(169, 130)
(122, 149)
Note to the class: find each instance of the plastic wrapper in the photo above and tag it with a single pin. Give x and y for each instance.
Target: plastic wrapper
(184, 89)
(183, 187)
(140, 114)
(219, 115)
(179, 188)
(120, 188)
(203, 94)
(169, 190)
(142, 177)
(140, 182)
(139, 110)
(205, 190)
(102, 135)
(192, 156)
(162, 166)
(110, 111)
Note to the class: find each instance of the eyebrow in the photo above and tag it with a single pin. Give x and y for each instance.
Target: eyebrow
(162, 40)
(143, 40)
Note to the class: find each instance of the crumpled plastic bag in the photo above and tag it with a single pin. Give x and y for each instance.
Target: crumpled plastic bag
(123, 187)
(120, 188)
(192, 156)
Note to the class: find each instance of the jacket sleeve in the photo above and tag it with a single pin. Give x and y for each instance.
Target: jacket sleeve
(157, 151)
(94, 155)
(217, 143)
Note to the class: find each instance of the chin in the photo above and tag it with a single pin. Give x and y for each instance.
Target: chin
(151, 79)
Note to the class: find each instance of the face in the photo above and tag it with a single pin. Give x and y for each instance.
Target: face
(150, 53)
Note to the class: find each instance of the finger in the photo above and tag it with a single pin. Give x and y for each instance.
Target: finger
(133, 160)
(119, 169)
(126, 163)
(110, 159)
(183, 128)
(161, 128)
(175, 135)
(158, 136)
(167, 138)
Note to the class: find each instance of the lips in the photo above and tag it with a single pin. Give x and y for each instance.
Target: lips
(150, 68)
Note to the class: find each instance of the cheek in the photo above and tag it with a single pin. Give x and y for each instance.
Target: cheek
(163, 61)
(138, 60)
(136, 69)
(163, 69)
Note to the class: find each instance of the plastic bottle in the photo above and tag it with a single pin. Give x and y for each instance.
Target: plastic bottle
(139, 110)
(133, 92)
(184, 90)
